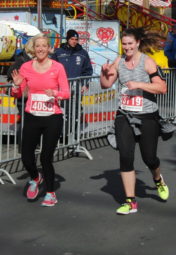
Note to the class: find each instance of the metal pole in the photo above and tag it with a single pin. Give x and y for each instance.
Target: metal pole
(87, 24)
(61, 19)
(146, 4)
(128, 13)
(39, 12)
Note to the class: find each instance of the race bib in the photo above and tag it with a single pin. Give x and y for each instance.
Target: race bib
(132, 103)
(41, 105)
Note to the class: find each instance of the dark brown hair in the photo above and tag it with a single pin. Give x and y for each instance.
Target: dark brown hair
(149, 40)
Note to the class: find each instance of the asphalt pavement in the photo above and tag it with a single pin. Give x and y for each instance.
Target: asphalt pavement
(84, 221)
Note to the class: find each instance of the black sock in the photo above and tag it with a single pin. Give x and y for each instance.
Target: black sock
(133, 199)
(157, 181)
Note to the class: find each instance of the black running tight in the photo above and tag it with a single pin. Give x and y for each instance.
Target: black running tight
(148, 142)
(50, 128)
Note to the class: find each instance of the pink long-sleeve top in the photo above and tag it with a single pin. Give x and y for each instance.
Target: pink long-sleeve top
(38, 103)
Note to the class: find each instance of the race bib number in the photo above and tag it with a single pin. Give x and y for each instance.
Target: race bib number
(41, 105)
(132, 103)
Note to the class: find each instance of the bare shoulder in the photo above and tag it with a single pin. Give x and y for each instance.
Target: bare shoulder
(150, 65)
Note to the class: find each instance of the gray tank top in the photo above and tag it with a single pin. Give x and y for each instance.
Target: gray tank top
(135, 101)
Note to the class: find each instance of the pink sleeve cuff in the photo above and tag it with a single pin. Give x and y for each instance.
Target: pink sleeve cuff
(62, 94)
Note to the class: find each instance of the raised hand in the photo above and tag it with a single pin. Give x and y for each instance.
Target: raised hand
(17, 78)
(108, 69)
(84, 89)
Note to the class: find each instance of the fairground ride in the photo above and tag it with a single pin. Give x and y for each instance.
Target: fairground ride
(131, 13)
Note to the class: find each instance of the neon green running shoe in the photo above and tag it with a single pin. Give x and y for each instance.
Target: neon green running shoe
(128, 207)
(163, 190)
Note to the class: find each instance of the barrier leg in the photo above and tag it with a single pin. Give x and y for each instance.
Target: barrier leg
(10, 177)
(80, 149)
(1, 181)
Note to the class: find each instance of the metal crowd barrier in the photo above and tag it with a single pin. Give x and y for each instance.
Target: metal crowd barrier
(167, 102)
(9, 119)
(87, 115)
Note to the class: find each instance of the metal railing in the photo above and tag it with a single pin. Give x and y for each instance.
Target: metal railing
(167, 102)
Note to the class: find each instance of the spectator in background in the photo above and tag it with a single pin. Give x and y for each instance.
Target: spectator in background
(110, 8)
(77, 64)
(74, 58)
(170, 47)
(25, 55)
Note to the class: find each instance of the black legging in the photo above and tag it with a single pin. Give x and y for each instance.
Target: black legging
(148, 141)
(50, 127)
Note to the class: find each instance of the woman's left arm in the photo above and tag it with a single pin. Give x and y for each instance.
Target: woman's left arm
(155, 86)
(63, 91)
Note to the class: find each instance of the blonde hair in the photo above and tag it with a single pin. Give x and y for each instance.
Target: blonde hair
(29, 46)
(41, 36)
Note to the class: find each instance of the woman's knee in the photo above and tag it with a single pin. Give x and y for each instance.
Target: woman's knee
(126, 163)
(152, 163)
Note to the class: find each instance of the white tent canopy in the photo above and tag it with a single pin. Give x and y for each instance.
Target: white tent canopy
(21, 27)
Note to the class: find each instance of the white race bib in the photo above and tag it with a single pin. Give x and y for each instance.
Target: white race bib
(132, 103)
(41, 105)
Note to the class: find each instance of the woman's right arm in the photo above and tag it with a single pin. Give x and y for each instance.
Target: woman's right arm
(19, 82)
(109, 74)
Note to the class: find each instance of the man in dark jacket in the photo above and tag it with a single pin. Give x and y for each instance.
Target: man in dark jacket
(74, 58)
(77, 63)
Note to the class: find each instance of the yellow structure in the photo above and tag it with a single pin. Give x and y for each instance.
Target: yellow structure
(98, 98)
(160, 58)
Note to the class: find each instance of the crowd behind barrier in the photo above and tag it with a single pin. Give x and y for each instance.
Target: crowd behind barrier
(87, 116)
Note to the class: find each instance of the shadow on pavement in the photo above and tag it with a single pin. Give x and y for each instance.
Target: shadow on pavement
(114, 186)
